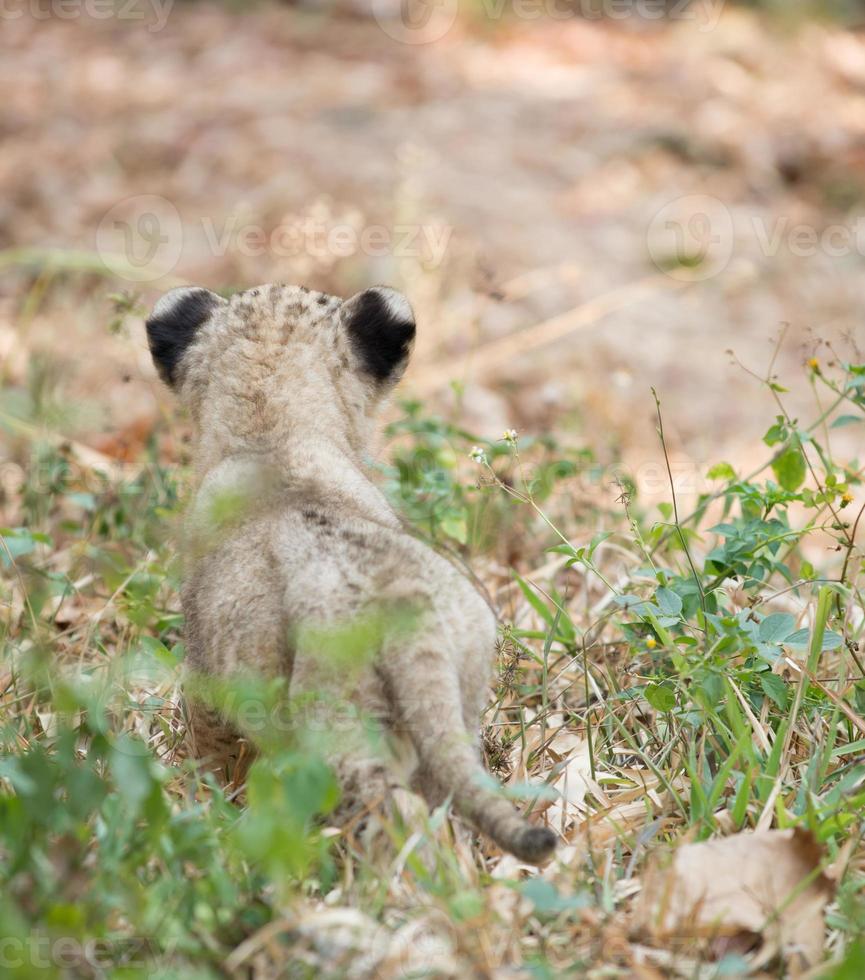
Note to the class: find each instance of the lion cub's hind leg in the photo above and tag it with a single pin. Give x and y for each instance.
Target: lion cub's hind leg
(216, 743)
(343, 713)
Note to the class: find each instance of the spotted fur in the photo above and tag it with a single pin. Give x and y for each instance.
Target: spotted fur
(283, 386)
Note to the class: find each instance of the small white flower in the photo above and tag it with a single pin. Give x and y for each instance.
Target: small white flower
(478, 455)
(510, 435)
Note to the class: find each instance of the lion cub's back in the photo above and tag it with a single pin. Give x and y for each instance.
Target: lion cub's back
(311, 566)
(248, 589)
(232, 602)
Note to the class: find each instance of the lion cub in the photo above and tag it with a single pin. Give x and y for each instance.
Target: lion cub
(283, 386)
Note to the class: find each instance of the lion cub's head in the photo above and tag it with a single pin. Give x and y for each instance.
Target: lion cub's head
(279, 363)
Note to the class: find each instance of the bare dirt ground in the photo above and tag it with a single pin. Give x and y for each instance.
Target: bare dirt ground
(514, 172)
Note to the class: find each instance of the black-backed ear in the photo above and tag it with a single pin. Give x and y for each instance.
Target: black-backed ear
(172, 326)
(380, 323)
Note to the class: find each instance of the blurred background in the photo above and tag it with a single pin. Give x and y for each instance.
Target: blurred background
(582, 199)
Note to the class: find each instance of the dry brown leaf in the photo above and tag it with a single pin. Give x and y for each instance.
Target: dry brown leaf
(573, 781)
(762, 886)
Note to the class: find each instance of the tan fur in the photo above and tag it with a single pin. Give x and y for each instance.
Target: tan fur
(284, 414)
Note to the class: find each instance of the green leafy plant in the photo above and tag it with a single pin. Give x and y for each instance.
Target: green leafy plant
(660, 674)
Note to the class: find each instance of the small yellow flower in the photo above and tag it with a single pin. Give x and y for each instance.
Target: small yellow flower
(813, 363)
(846, 498)
(651, 642)
(510, 435)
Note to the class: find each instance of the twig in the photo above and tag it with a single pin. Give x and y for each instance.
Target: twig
(675, 505)
(496, 353)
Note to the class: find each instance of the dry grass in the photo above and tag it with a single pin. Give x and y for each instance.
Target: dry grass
(646, 699)
(640, 706)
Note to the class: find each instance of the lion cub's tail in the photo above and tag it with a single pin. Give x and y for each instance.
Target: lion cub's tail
(447, 757)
